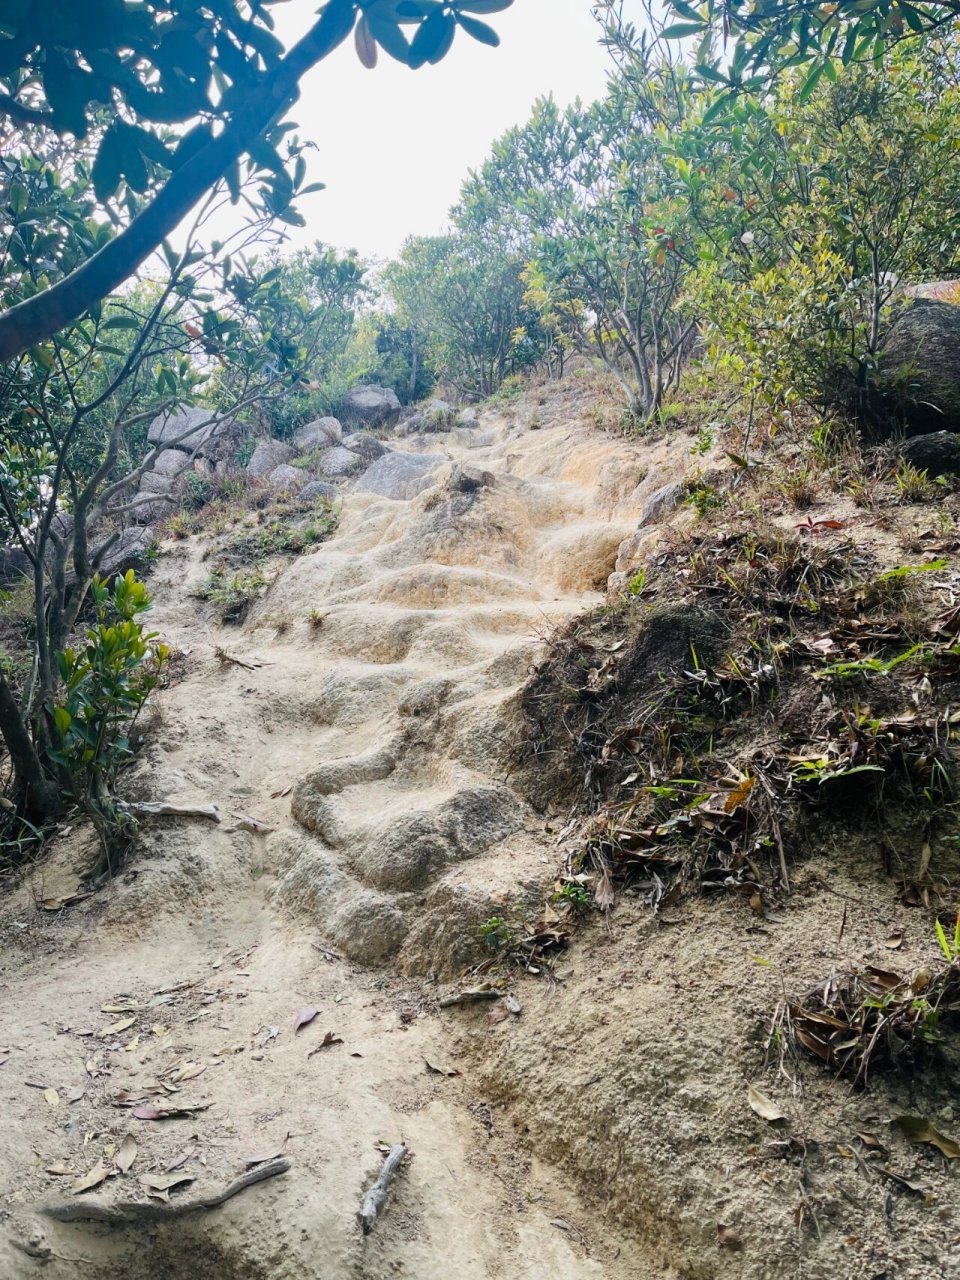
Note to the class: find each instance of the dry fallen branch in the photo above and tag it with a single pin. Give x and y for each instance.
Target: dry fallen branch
(163, 809)
(224, 657)
(134, 1212)
(376, 1197)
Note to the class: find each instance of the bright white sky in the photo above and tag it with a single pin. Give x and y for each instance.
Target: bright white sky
(395, 144)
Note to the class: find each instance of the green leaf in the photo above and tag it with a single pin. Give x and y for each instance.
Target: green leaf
(107, 166)
(811, 82)
(479, 30)
(389, 37)
(483, 6)
(121, 322)
(63, 720)
(678, 30)
(433, 39)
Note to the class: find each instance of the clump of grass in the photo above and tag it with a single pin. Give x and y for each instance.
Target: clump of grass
(799, 486)
(874, 1019)
(912, 485)
(281, 536)
(231, 595)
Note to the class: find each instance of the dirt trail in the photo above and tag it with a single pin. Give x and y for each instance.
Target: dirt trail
(388, 715)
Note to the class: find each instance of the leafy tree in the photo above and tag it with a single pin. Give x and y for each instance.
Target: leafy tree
(770, 35)
(68, 476)
(172, 96)
(588, 193)
(463, 298)
(812, 216)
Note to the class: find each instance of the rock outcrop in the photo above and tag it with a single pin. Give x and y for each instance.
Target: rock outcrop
(371, 406)
(267, 456)
(318, 435)
(920, 367)
(400, 475)
(937, 453)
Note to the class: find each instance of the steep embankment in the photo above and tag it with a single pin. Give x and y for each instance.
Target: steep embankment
(359, 734)
(385, 715)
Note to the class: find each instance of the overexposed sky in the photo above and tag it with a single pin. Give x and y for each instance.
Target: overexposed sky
(395, 144)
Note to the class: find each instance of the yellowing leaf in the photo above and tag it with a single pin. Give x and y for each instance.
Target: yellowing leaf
(764, 1107)
(126, 1154)
(123, 1025)
(99, 1173)
(916, 1129)
(52, 1097)
(738, 795)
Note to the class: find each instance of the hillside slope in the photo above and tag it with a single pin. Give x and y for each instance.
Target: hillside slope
(365, 736)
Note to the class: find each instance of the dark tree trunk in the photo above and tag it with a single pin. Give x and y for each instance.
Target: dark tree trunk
(41, 797)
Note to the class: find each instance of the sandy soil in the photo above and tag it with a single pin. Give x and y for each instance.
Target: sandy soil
(602, 1132)
(433, 610)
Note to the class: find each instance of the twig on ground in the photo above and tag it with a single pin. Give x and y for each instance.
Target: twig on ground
(376, 1197)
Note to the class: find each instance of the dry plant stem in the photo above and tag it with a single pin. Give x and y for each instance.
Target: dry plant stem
(376, 1197)
(164, 809)
(132, 1212)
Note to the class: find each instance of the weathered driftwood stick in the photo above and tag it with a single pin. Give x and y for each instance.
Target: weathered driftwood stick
(164, 809)
(472, 993)
(127, 1212)
(376, 1197)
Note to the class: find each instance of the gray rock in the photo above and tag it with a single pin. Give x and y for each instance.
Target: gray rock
(435, 416)
(338, 462)
(366, 446)
(318, 435)
(919, 372)
(285, 477)
(128, 552)
(318, 489)
(468, 418)
(267, 456)
(151, 508)
(470, 479)
(367, 927)
(400, 475)
(171, 463)
(202, 424)
(663, 502)
(14, 565)
(371, 406)
(937, 453)
(151, 482)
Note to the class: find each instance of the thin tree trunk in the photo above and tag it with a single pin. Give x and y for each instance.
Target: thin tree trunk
(41, 796)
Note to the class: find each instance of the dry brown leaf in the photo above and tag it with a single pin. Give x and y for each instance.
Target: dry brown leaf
(124, 1006)
(76, 1094)
(441, 1068)
(150, 1111)
(328, 1039)
(916, 1129)
(189, 1071)
(305, 1016)
(179, 1161)
(126, 1154)
(59, 1170)
(764, 1107)
(727, 1238)
(123, 1025)
(99, 1173)
(159, 1185)
(894, 940)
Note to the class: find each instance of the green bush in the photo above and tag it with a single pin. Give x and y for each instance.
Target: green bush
(105, 685)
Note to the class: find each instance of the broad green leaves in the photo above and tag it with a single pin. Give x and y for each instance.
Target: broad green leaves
(769, 36)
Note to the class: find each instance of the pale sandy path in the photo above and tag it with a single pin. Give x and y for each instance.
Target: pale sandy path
(390, 721)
